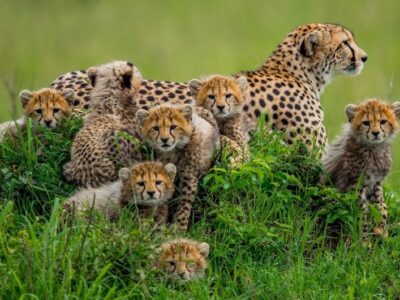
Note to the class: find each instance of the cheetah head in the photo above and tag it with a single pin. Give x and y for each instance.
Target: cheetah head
(166, 127)
(120, 75)
(330, 50)
(223, 96)
(182, 259)
(148, 183)
(374, 122)
(47, 106)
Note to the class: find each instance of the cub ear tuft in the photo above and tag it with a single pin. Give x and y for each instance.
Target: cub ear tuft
(124, 174)
(171, 170)
(242, 82)
(68, 95)
(194, 86)
(92, 74)
(142, 115)
(309, 44)
(187, 112)
(24, 97)
(396, 108)
(351, 110)
(204, 249)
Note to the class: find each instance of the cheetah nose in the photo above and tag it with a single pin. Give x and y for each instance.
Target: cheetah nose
(364, 58)
(164, 140)
(221, 107)
(151, 193)
(48, 123)
(375, 133)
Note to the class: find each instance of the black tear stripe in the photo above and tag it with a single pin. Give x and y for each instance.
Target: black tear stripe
(353, 58)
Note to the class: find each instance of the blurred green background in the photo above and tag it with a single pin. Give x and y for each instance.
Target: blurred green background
(180, 40)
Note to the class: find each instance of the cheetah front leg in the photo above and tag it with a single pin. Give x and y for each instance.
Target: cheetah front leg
(188, 188)
(162, 215)
(365, 208)
(380, 201)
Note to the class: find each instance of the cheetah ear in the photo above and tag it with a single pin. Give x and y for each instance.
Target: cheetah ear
(242, 82)
(396, 108)
(68, 94)
(171, 170)
(142, 115)
(204, 249)
(187, 112)
(136, 79)
(194, 86)
(25, 96)
(350, 111)
(164, 247)
(124, 174)
(92, 74)
(309, 43)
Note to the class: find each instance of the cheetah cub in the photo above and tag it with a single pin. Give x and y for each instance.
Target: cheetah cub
(224, 97)
(46, 107)
(364, 149)
(183, 259)
(179, 136)
(108, 136)
(149, 185)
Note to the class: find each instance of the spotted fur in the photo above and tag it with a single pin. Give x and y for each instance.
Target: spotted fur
(364, 150)
(148, 185)
(181, 137)
(288, 86)
(45, 107)
(183, 259)
(79, 82)
(224, 97)
(110, 132)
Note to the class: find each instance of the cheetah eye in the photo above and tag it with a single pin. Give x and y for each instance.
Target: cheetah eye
(365, 123)
(228, 95)
(172, 263)
(158, 182)
(156, 128)
(56, 110)
(38, 111)
(211, 97)
(383, 122)
(140, 183)
(173, 127)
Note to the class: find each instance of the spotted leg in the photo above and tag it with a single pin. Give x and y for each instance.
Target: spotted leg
(145, 212)
(188, 188)
(380, 201)
(162, 215)
(365, 208)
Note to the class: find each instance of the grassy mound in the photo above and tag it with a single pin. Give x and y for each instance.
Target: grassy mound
(273, 232)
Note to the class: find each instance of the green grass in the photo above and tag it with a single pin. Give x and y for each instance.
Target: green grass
(273, 232)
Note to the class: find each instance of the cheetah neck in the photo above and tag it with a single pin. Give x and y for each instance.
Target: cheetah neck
(286, 62)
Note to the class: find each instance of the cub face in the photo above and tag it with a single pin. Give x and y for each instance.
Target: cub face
(223, 96)
(148, 183)
(374, 122)
(121, 75)
(328, 43)
(47, 106)
(183, 260)
(166, 127)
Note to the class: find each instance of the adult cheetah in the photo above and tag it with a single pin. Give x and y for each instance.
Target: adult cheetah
(287, 87)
